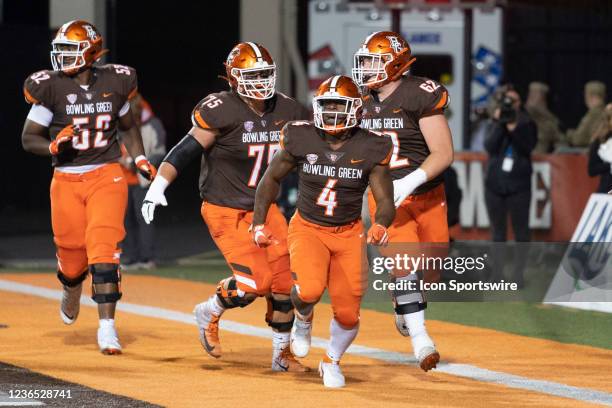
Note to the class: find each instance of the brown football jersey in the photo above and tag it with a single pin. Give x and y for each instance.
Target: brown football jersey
(247, 142)
(95, 110)
(398, 116)
(332, 182)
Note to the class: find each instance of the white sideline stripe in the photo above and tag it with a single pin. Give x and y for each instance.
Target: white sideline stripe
(6, 401)
(459, 370)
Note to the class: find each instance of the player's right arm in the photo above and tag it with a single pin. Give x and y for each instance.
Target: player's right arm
(190, 147)
(208, 119)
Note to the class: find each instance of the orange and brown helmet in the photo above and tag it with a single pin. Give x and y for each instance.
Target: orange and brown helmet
(77, 45)
(383, 57)
(337, 105)
(251, 71)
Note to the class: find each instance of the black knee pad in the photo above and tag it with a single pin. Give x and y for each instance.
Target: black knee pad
(71, 282)
(283, 306)
(102, 275)
(282, 327)
(227, 293)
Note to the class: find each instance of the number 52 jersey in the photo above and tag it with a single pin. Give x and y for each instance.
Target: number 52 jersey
(95, 110)
(332, 182)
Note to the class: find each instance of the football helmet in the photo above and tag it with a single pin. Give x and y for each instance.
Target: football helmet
(251, 71)
(383, 57)
(77, 44)
(337, 105)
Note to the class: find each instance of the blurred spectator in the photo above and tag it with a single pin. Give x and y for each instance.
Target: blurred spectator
(600, 152)
(594, 99)
(549, 135)
(139, 244)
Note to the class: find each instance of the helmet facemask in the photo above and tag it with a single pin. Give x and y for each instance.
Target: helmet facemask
(335, 113)
(258, 82)
(68, 56)
(370, 68)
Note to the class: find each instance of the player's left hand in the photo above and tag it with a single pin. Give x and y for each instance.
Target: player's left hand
(262, 236)
(378, 235)
(145, 168)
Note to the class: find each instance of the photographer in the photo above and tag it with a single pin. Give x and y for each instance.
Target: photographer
(508, 180)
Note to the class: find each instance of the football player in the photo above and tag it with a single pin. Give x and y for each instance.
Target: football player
(335, 161)
(410, 110)
(76, 110)
(236, 133)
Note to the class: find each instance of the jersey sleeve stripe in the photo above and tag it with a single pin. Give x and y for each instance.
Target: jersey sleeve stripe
(442, 102)
(132, 93)
(199, 121)
(29, 98)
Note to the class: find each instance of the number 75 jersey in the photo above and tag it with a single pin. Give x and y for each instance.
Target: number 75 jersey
(95, 110)
(244, 147)
(398, 117)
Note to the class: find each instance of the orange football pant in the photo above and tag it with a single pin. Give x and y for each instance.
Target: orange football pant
(420, 218)
(87, 213)
(333, 258)
(256, 270)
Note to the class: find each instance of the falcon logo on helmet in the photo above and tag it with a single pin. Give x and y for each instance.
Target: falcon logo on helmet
(251, 71)
(383, 57)
(77, 45)
(337, 105)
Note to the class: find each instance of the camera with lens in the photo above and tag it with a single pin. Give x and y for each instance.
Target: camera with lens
(507, 112)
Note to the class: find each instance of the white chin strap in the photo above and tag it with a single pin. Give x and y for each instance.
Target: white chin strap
(362, 75)
(342, 120)
(261, 88)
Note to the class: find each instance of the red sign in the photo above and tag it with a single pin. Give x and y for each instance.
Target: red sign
(560, 189)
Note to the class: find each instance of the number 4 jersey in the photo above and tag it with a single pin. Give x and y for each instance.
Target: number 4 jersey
(398, 117)
(244, 147)
(332, 182)
(95, 109)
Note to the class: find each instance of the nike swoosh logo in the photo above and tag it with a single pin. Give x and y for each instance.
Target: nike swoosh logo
(278, 122)
(207, 346)
(397, 110)
(106, 95)
(116, 179)
(353, 161)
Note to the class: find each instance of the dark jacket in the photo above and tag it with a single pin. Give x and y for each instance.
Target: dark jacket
(599, 167)
(518, 144)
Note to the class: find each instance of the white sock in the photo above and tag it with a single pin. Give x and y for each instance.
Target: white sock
(339, 339)
(107, 323)
(215, 306)
(280, 341)
(418, 333)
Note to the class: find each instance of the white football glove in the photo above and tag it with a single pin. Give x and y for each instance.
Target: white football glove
(605, 151)
(405, 186)
(154, 197)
